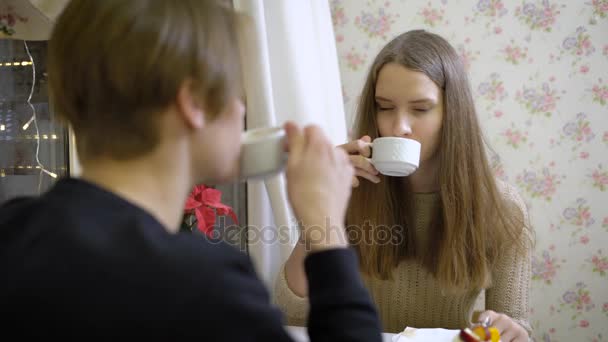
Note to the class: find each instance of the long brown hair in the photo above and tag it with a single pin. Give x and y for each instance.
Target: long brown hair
(473, 223)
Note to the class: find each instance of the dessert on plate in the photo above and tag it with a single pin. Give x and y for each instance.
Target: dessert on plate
(477, 334)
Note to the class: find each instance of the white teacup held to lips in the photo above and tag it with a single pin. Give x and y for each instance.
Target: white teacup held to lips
(394, 156)
(263, 154)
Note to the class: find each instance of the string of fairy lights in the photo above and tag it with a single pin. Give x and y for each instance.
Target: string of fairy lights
(33, 120)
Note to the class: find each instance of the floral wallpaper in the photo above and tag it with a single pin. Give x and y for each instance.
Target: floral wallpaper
(539, 72)
(8, 19)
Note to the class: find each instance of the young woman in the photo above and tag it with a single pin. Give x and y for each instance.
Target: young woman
(455, 233)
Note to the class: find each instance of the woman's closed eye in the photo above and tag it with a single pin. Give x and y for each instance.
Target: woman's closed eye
(384, 108)
(422, 110)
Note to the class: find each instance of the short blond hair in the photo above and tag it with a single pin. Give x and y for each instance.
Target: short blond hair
(114, 65)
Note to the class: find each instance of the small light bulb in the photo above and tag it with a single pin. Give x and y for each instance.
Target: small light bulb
(44, 136)
(2, 127)
(54, 175)
(27, 124)
(53, 136)
(24, 63)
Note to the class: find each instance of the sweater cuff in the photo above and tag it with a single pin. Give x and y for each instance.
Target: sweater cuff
(524, 324)
(335, 270)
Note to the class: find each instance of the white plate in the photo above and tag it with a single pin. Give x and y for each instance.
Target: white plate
(426, 335)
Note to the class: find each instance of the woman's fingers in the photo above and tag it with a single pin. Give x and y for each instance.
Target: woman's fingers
(360, 162)
(510, 331)
(370, 177)
(359, 151)
(361, 146)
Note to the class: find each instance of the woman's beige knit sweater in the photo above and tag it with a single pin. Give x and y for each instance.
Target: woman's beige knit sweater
(414, 298)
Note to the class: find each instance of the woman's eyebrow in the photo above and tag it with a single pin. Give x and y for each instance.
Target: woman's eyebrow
(424, 100)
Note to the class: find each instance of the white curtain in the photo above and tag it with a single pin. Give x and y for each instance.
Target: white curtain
(291, 72)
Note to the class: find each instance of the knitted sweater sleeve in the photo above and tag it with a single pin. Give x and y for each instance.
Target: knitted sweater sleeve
(294, 307)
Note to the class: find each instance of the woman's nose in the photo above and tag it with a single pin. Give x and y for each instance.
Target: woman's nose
(402, 126)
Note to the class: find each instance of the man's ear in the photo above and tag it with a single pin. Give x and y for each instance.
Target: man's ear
(189, 106)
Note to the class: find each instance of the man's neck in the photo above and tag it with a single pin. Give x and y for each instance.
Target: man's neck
(151, 183)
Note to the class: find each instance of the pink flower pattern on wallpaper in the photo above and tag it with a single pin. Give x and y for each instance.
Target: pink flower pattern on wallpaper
(490, 8)
(354, 59)
(599, 263)
(600, 7)
(548, 336)
(8, 19)
(467, 55)
(578, 215)
(600, 92)
(492, 90)
(488, 11)
(538, 100)
(338, 17)
(577, 300)
(376, 24)
(528, 60)
(545, 267)
(537, 15)
(578, 44)
(599, 177)
(578, 130)
(514, 54)
(538, 184)
(515, 137)
(432, 16)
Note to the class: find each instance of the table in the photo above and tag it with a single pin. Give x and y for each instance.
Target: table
(408, 335)
(299, 334)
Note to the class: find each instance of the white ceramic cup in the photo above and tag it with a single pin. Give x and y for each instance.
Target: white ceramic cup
(393, 156)
(262, 153)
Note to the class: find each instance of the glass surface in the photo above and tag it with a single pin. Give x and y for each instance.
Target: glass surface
(31, 138)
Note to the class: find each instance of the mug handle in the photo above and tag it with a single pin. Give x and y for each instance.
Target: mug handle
(371, 145)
